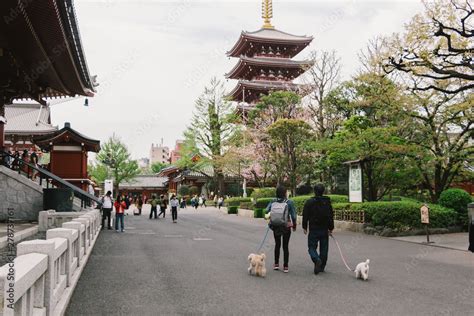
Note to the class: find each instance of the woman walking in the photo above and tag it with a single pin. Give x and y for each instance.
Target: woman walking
(282, 227)
(174, 203)
(120, 207)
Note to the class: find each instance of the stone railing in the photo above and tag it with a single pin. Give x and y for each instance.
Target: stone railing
(47, 271)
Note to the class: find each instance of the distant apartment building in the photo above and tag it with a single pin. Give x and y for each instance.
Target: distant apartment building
(175, 153)
(159, 153)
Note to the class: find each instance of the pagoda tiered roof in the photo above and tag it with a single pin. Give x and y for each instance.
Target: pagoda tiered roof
(250, 43)
(248, 67)
(254, 89)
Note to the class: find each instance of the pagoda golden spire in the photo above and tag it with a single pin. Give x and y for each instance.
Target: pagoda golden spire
(267, 14)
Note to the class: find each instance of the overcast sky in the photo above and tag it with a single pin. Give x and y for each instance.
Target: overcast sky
(154, 57)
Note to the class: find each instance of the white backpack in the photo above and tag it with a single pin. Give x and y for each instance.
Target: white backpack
(279, 215)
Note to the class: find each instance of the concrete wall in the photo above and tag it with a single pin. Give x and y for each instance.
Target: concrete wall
(21, 194)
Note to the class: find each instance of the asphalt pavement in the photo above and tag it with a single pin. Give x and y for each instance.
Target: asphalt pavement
(198, 266)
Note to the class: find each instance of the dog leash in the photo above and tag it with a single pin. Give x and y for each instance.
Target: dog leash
(264, 238)
(342, 256)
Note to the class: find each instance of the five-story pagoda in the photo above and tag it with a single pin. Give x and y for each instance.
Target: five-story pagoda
(265, 61)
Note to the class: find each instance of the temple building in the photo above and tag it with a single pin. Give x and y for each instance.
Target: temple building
(265, 61)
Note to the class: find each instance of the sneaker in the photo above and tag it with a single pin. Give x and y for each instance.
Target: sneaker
(317, 266)
(276, 266)
(285, 269)
(118, 231)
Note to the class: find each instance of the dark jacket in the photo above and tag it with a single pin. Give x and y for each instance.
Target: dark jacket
(318, 212)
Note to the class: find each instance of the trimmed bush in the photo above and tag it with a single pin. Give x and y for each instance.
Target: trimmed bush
(259, 193)
(263, 202)
(258, 213)
(232, 209)
(299, 201)
(235, 201)
(457, 199)
(193, 190)
(404, 214)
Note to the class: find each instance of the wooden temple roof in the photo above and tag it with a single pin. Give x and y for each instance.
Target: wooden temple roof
(67, 135)
(268, 36)
(28, 119)
(41, 54)
(245, 64)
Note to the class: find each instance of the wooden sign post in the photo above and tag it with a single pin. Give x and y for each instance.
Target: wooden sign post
(425, 219)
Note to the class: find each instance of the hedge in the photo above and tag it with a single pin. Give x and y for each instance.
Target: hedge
(404, 214)
(457, 199)
(232, 210)
(299, 201)
(246, 205)
(259, 193)
(235, 201)
(258, 213)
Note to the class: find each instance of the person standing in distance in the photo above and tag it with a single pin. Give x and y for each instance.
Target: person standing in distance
(120, 207)
(107, 204)
(174, 203)
(319, 214)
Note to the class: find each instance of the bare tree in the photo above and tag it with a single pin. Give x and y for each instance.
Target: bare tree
(321, 79)
(437, 48)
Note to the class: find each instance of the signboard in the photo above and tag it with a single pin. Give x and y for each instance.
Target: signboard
(425, 214)
(109, 186)
(355, 183)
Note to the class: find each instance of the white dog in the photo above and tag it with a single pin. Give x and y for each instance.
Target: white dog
(362, 270)
(257, 264)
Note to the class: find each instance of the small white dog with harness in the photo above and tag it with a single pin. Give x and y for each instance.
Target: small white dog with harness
(361, 270)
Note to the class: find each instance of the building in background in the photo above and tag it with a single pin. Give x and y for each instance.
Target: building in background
(144, 163)
(266, 62)
(25, 121)
(159, 153)
(144, 186)
(175, 153)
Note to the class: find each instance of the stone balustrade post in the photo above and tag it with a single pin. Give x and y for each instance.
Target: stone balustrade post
(56, 279)
(81, 244)
(71, 235)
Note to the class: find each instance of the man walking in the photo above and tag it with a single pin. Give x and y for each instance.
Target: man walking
(163, 205)
(107, 204)
(154, 204)
(318, 212)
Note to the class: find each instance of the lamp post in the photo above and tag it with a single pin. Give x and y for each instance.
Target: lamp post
(243, 104)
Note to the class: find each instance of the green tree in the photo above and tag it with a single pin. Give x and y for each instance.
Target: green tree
(156, 167)
(287, 137)
(115, 156)
(212, 125)
(98, 172)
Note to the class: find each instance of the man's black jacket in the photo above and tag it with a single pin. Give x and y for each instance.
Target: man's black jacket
(318, 212)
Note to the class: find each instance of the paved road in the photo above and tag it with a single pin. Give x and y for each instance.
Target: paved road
(198, 266)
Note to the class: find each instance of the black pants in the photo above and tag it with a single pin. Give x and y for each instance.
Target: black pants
(174, 213)
(106, 214)
(153, 210)
(286, 240)
(162, 211)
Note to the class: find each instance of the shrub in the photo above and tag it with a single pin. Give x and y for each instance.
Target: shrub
(304, 189)
(183, 190)
(263, 202)
(457, 199)
(299, 201)
(259, 193)
(258, 213)
(335, 198)
(232, 209)
(404, 213)
(235, 201)
(193, 190)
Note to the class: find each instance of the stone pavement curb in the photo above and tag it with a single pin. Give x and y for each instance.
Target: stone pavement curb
(425, 244)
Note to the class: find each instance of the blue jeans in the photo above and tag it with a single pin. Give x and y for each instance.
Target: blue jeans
(316, 236)
(117, 218)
